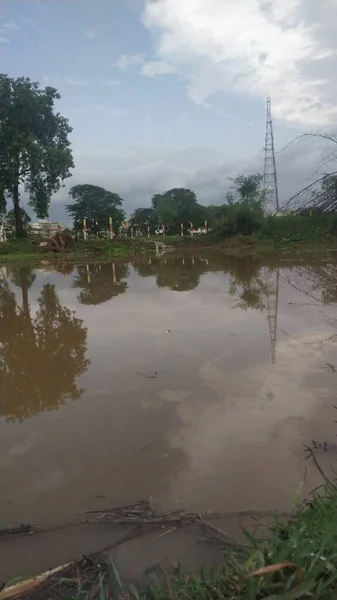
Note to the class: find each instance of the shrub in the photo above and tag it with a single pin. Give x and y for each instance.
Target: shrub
(242, 218)
(297, 228)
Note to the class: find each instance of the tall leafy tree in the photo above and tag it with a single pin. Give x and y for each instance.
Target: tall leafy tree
(247, 189)
(25, 218)
(244, 211)
(96, 205)
(35, 150)
(143, 218)
(176, 206)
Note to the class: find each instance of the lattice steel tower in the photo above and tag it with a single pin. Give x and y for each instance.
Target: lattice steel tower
(269, 176)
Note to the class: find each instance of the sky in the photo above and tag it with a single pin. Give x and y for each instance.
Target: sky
(172, 93)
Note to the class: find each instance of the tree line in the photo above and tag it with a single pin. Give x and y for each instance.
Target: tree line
(36, 156)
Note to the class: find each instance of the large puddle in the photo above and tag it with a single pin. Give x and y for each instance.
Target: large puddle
(192, 381)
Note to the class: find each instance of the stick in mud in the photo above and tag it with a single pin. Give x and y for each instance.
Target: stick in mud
(142, 515)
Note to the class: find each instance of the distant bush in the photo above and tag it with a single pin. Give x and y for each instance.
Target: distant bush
(16, 246)
(298, 228)
(241, 218)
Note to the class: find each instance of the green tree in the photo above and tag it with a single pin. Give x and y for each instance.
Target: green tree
(40, 356)
(34, 147)
(177, 206)
(241, 218)
(244, 212)
(96, 205)
(247, 189)
(25, 219)
(2, 201)
(143, 218)
(214, 214)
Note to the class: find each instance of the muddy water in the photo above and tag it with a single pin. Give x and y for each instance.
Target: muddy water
(194, 381)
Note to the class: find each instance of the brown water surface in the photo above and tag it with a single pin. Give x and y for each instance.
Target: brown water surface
(192, 380)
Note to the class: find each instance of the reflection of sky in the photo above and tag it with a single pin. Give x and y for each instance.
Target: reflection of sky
(224, 424)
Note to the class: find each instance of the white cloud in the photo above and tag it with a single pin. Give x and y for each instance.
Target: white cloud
(6, 28)
(89, 34)
(254, 47)
(76, 82)
(157, 67)
(109, 82)
(138, 172)
(124, 60)
(117, 112)
(27, 20)
(93, 107)
(9, 26)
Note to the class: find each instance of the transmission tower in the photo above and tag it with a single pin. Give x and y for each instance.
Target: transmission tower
(271, 281)
(269, 176)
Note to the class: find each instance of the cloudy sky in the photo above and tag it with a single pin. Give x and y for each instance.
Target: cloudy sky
(170, 93)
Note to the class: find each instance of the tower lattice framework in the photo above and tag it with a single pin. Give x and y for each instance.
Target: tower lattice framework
(270, 176)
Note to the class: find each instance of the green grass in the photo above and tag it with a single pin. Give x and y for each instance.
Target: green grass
(278, 234)
(96, 248)
(298, 560)
(295, 230)
(91, 249)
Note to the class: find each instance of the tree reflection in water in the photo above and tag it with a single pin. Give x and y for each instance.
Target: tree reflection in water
(40, 356)
(100, 282)
(182, 274)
